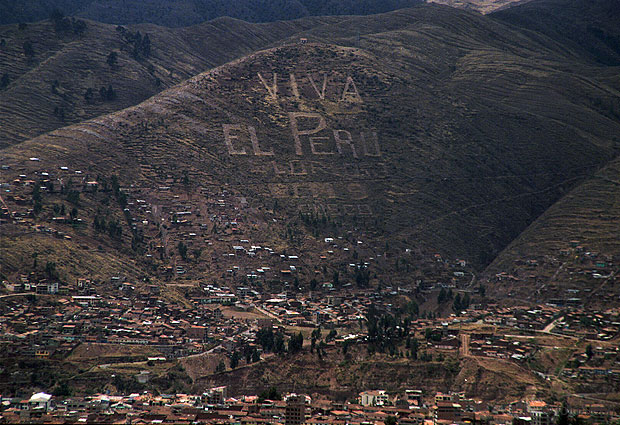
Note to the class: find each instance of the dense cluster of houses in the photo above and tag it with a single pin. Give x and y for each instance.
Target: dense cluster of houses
(43, 330)
(222, 232)
(215, 406)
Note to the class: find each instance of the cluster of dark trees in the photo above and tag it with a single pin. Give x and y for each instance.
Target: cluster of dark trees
(64, 25)
(182, 250)
(141, 44)
(270, 394)
(272, 341)
(191, 12)
(105, 94)
(112, 226)
(251, 356)
(458, 303)
(385, 332)
(103, 224)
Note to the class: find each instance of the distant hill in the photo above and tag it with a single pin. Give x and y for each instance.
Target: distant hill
(419, 131)
(482, 6)
(60, 82)
(591, 27)
(572, 250)
(179, 13)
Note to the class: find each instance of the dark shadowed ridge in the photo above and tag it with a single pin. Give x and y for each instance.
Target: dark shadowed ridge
(180, 13)
(591, 27)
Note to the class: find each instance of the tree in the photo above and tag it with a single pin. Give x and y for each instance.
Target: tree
(443, 296)
(50, 270)
(320, 350)
(36, 198)
(63, 390)
(278, 344)
(146, 46)
(296, 343)
(89, 95)
(465, 302)
(313, 284)
(61, 24)
(107, 94)
(428, 334)
(414, 349)
(73, 196)
(79, 26)
(182, 250)
(390, 420)
(60, 113)
(112, 59)
(28, 48)
(110, 94)
(589, 351)
(64, 25)
(331, 335)
(457, 305)
(270, 394)
(563, 417)
(234, 360)
(221, 367)
(266, 338)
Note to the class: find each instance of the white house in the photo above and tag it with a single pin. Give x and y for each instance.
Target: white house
(40, 401)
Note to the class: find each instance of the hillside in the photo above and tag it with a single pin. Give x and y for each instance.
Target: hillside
(61, 81)
(436, 131)
(570, 254)
(590, 27)
(344, 376)
(180, 13)
(482, 6)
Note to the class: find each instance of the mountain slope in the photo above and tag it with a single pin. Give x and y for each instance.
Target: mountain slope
(444, 131)
(179, 13)
(48, 90)
(589, 27)
(570, 254)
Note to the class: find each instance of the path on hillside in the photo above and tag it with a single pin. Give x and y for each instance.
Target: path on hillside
(266, 313)
(547, 329)
(611, 276)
